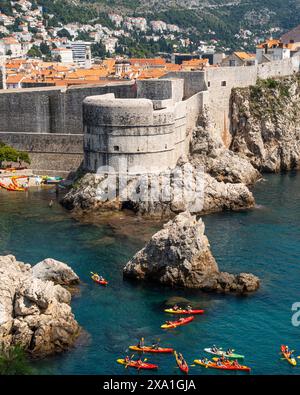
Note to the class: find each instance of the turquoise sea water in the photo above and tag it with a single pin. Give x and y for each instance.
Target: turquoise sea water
(265, 241)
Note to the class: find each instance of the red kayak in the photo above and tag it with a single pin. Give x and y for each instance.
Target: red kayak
(101, 282)
(183, 366)
(179, 311)
(137, 364)
(174, 324)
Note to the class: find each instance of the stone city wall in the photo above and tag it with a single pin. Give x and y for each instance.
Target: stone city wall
(51, 110)
(221, 80)
(57, 154)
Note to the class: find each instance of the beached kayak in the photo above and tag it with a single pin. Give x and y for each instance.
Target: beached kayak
(138, 365)
(226, 366)
(292, 361)
(174, 324)
(152, 350)
(220, 353)
(171, 311)
(183, 366)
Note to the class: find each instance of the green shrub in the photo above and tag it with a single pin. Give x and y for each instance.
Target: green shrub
(14, 362)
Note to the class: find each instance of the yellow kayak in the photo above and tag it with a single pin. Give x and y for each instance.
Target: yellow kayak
(291, 361)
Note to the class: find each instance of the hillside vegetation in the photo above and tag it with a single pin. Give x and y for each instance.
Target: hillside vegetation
(223, 17)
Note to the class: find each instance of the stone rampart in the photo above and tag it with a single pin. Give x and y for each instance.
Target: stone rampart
(57, 154)
(129, 135)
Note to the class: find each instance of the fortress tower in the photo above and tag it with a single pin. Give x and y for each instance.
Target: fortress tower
(142, 135)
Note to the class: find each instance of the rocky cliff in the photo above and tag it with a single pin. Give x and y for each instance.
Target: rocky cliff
(35, 312)
(179, 255)
(266, 124)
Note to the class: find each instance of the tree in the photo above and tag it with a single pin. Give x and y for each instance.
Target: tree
(83, 36)
(64, 33)
(10, 154)
(45, 49)
(98, 50)
(34, 52)
(14, 362)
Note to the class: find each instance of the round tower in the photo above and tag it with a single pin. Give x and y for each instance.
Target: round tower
(128, 135)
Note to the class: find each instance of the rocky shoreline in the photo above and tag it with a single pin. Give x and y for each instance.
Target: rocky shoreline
(179, 255)
(35, 310)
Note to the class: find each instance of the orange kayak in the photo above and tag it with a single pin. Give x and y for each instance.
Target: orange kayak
(225, 366)
(158, 350)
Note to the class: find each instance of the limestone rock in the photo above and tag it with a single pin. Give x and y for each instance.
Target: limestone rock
(220, 196)
(208, 150)
(56, 271)
(34, 313)
(202, 193)
(85, 195)
(266, 124)
(179, 255)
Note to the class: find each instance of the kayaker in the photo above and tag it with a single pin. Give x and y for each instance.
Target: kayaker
(222, 358)
(155, 346)
(141, 343)
(139, 362)
(127, 359)
(236, 364)
(189, 308)
(214, 349)
(219, 362)
(175, 307)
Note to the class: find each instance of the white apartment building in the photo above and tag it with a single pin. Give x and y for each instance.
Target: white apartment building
(82, 54)
(64, 54)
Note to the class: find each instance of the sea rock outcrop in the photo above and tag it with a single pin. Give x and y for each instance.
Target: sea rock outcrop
(208, 150)
(34, 313)
(266, 123)
(52, 270)
(179, 255)
(205, 194)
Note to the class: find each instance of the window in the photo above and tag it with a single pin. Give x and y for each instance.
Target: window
(208, 83)
(223, 83)
(116, 148)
